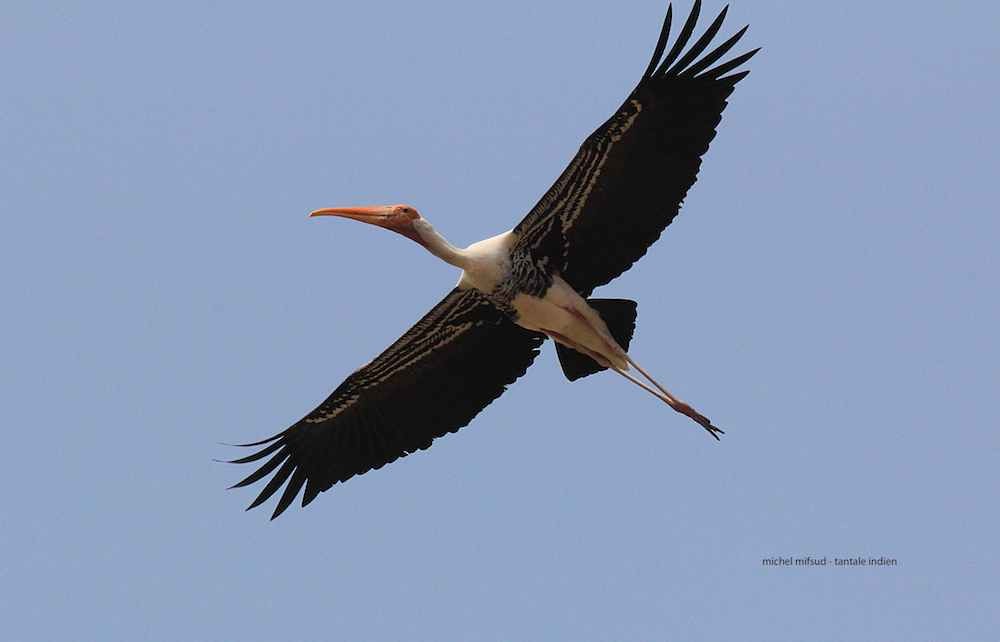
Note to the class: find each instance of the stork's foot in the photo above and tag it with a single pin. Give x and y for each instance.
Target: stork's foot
(701, 419)
(676, 403)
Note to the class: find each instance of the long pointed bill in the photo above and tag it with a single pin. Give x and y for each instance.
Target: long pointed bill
(376, 215)
(385, 216)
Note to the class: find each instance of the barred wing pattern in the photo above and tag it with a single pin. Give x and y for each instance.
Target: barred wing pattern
(629, 178)
(428, 383)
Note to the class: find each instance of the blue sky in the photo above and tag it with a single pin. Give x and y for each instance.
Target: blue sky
(828, 296)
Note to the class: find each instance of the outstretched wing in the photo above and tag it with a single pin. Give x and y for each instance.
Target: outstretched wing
(627, 182)
(438, 376)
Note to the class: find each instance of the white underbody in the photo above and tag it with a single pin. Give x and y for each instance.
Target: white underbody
(561, 314)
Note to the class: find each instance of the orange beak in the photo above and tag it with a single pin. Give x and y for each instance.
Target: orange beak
(380, 215)
(376, 215)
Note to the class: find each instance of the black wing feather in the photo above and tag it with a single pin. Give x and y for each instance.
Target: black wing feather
(630, 176)
(445, 369)
(724, 68)
(682, 39)
(291, 490)
(274, 484)
(263, 471)
(661, 43)
(709, 58)
(700, 44)
(260, 454)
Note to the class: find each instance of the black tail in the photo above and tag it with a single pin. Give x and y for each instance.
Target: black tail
(619, 315)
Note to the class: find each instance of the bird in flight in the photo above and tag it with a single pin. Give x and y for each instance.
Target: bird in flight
(621, 190)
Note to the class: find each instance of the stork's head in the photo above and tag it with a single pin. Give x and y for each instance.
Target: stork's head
(398, 218)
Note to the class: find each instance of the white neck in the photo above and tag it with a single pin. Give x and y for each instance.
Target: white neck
(439, 245)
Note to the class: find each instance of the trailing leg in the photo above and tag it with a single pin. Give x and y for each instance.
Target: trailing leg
(677, 404)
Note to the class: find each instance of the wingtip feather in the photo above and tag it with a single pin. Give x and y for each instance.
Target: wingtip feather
(709, 59)
(291, 490)
(716, 73)
(682, 39)
(661, 43)
(699, 45)
(263, 471)
(273, 485)
(735, 78)
(260, 454)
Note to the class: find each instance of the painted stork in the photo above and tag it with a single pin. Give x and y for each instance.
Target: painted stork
(623, 187)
